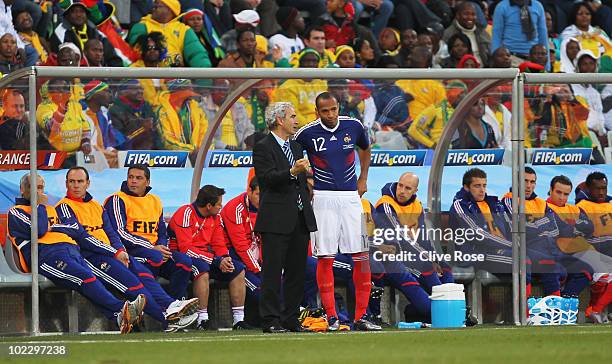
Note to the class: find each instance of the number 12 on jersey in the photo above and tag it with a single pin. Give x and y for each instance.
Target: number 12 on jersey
(318, 144)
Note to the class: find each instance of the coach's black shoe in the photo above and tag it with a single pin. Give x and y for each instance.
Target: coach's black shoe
(202, 325)
(274, 330)
(242, 325)
(378, 320)
(299, 328)
(364, 325)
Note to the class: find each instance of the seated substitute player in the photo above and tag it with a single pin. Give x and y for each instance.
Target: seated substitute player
(197, 230)
(399, 206)
(59, 258)
(330, 142)
(542, 233)
(592, 197)
(473, 209)
(576, 245)
(138, 218)
(120, 271)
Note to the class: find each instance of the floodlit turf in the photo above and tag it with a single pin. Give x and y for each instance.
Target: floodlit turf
(560, 345)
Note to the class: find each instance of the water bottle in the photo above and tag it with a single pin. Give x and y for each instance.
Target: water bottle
(410, 325)
(566, 304)
(556, 303)
(575, 303)
(530, 303)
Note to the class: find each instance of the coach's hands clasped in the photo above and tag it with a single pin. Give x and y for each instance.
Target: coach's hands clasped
(300, 166)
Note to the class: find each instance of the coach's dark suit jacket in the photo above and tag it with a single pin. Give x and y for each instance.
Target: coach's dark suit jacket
(284, 232)
(278, 210)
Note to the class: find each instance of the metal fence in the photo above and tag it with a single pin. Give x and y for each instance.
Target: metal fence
(489, 78)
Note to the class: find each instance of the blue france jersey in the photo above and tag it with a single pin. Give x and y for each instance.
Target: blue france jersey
(332, 152)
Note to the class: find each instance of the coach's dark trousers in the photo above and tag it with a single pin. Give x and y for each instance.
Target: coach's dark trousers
(284, 255)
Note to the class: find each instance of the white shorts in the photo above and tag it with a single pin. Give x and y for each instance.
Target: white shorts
(340, 223)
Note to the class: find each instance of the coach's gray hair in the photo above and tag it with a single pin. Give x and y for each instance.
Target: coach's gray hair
(24, 183)
(277, 109)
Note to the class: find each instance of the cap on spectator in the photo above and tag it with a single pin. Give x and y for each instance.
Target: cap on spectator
(191, 12)
(285, 15)
(93, 87)
(531, 67)
(72, 46)
(344, 48)
(306, 51)
(464, 59)
(178, 84)
(68, 4)
(454, 89)
(262, 44)
(247, 17)
(584, 53)
(173, 5)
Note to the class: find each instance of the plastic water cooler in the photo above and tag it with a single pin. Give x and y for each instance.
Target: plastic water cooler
(448, 306)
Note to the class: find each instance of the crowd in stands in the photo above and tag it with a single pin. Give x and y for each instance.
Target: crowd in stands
(173, 114)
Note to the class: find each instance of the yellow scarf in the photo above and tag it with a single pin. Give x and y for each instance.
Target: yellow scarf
(34, 40)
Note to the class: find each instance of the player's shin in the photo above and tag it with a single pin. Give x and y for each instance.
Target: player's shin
(325, 281)
(362, 280)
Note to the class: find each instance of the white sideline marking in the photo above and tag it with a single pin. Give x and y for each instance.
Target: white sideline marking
(281, 337)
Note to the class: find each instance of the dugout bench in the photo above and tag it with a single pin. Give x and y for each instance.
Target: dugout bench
(12, 279)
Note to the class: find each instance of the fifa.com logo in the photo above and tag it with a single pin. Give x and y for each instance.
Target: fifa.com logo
(412, 235)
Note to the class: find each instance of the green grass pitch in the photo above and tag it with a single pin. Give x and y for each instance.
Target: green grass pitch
(485, 344)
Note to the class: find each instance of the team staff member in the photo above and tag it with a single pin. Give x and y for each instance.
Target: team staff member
(138, 218)
(239, 217)
(285, 219)
(331, 141)
(120, 271)
(196, 229)
(400, 206)
(59, 256)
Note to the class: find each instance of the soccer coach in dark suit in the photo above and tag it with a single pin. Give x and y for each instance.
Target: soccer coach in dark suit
(284, 219)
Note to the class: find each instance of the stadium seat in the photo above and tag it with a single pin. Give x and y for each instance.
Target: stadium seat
(10, 258)
(11, 279)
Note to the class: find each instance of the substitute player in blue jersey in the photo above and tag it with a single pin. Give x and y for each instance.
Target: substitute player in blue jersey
(330, 142)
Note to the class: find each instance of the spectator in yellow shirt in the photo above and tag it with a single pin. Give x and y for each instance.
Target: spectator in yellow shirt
(182, 122)
(425, 92)
(427, 126)
(62, 119)
(302, 93)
